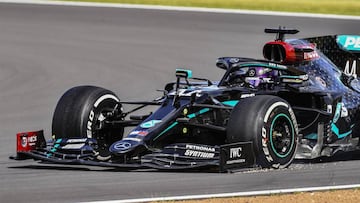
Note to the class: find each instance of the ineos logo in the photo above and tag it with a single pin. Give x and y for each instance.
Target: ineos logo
(122, 146)
(24, 141)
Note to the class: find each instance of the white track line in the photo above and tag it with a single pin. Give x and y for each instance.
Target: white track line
(188, 9)
(234, 194)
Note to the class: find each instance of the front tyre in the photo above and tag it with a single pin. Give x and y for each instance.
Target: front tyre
(79, 113)
(270, 124)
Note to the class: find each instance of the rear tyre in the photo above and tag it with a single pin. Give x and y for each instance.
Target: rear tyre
(79, 112)
(270, 124)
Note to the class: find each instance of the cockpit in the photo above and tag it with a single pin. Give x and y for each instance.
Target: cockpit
(253, 76)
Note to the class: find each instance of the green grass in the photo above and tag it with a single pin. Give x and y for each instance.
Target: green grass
(341, 7)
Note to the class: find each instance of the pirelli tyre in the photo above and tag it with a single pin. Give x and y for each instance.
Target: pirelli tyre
(269, 122)
(79, 112)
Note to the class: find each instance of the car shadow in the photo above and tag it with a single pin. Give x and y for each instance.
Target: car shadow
(339, 156)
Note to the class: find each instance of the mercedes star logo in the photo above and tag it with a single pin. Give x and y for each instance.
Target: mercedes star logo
(122, 146)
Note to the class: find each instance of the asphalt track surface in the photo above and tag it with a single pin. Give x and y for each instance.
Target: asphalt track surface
(45, 50)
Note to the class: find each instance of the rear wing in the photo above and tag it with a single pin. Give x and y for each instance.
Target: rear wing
(342, 50)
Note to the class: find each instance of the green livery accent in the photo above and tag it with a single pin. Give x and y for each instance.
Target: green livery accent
(270, 65)
(334, 127)
(203, 111)
(193, 115)
(312, 136)
(58, 141)
(150, 124)
(290, 76)
(335, 130)
(167, 129)
(56, 145)
(231, 102)
(183, 73)
(349, 42)
(301, 77)
(337, 112)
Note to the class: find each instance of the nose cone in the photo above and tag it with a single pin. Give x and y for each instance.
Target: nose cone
(125, 146)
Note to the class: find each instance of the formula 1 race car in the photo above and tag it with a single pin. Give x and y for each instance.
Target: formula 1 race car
(301, 101)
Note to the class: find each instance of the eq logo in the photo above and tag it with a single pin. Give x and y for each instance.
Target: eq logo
(235, 152)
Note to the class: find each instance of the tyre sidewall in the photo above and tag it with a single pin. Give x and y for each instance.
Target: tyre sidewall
(251, 120)
(96, 104)
(78, 109)
(268, 155)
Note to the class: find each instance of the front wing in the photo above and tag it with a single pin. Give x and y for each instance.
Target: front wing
(178, 156)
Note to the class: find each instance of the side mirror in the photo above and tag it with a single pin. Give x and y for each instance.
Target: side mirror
(182, 73)
(221, 63)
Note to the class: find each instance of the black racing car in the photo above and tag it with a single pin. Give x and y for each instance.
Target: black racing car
(301, 101)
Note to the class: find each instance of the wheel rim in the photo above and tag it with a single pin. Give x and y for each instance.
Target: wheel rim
(282, 135)
(104, 138)
(101, 138)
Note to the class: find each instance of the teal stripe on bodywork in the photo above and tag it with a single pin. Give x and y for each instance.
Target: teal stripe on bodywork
(180, 72)
(203, 111)
(54, 148)
(56, 145)
(167, 129)
(337, 112)
(193, 115)
(231, 102)
(335, 130)
(275, 66)
(312, 136)
(291, 76)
